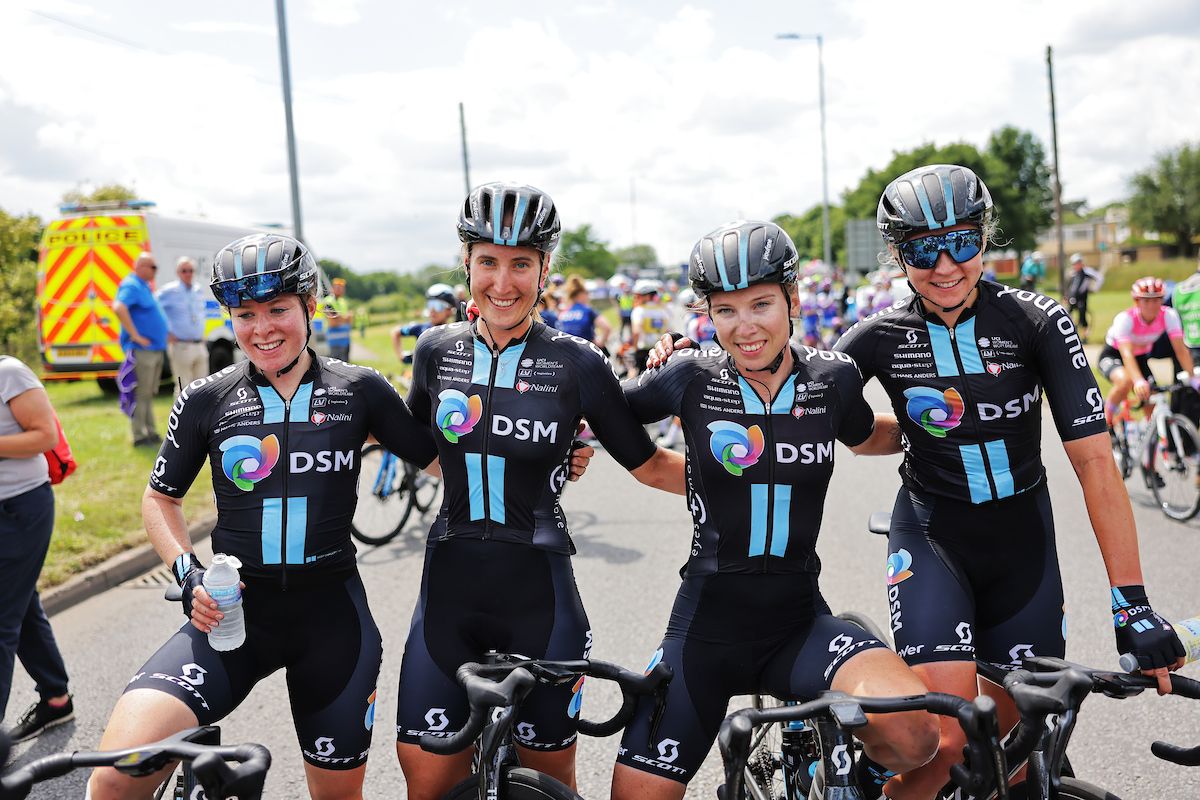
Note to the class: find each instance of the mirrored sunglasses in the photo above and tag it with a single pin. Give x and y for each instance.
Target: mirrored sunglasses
(923, 253)
(259, 288)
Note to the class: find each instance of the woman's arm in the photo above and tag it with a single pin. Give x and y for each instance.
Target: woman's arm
(884, 440)
(1184, 355)
(1141, 383)
(664, 470)
(603, 331)
(33, 412)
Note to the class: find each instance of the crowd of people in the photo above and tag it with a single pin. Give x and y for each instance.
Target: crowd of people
(503, 373)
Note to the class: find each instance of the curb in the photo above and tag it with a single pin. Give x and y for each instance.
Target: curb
(114, 571)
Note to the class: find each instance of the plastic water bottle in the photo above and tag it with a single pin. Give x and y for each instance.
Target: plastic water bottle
(223, 585)
(1189, 634)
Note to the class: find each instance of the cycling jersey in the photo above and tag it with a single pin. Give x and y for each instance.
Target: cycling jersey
(578, 320)
(504, 422)
(700, 329)
(968, 398)
(650, 322)
(756, 472)
(415, 328)
(285, 473)
(1128, 327)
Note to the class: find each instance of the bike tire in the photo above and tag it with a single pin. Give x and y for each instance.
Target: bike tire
(763, 774)
(869, 625)
(519, 783)
(1074, 789)
(1120, 450)
(1179, 494)
(379, 519)
(425, 488)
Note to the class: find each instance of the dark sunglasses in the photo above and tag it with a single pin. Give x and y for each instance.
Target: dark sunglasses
(923, 253)
(259, 288)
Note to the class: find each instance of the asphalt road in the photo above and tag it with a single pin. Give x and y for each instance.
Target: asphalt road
(631, 542)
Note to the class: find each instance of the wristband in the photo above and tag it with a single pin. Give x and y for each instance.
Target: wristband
(1127, 597)
(185, 565)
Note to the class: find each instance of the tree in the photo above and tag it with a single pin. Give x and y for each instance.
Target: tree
(1019, 179)
(1166, 197)
(635, 257)
(19, 238)
(104, 193)
(578, 252)
(807, 232)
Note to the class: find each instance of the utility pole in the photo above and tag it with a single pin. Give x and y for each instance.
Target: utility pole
(1058, 209)
(293, 170)
(462, 128)
(826, 238)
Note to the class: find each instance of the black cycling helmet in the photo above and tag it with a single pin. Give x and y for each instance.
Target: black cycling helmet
(742, 254)
(533, 218)
(932, 197)
(261, 267)
(443, 292)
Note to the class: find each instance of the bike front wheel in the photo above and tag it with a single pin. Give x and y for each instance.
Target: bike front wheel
(425, 488)
(1175, 469)
(1073, 789)
(384, 500)
(1120, 449)
(518, 783)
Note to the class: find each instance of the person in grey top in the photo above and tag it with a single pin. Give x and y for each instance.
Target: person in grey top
(27, 430)
(182, 302)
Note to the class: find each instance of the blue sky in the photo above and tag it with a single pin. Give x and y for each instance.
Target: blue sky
(697, 104)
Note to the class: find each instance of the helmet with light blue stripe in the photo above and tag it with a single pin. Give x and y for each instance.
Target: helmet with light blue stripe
(509, 214)
(932, 197)
(742, 254)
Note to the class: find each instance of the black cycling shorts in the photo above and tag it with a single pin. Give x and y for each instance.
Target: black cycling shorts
(326, 639)
(733, 634)
(479, 595)
(1110, 359)
(968, 581)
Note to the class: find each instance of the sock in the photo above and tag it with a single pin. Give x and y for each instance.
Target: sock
(871, 776)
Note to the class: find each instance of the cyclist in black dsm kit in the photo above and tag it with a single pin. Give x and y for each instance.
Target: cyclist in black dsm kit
(760, 419)
(503, 396)
(972, 569)
(282, 432)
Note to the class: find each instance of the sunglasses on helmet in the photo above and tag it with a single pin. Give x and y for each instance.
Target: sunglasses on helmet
(923, 253)
(260, 288)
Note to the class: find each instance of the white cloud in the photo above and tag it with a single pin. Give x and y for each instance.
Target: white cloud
(335, 12)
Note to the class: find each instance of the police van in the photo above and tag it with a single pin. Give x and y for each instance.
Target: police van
(84, 256)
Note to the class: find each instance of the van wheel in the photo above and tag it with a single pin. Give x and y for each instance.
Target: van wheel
(220, 356)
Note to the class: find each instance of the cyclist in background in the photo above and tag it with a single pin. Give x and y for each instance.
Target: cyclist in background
(698, 325)
(282, 431)
(441, 307)
(1125, 359)
(1033, 269)
(578, 318)
(339, 321)
(760, 419)
(503, 395)
(972, 569)
(649, 320)
(1084, 280)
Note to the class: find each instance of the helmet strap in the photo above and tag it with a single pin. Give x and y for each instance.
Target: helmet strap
(307, 338)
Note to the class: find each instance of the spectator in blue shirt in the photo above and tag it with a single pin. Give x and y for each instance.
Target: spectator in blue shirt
(144, 339)
(580, 319)
(183, 304)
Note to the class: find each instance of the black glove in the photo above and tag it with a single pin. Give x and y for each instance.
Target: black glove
(189, 572)
(1142, 632)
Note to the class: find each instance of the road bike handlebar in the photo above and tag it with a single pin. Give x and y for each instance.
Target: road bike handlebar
(219, 779)
(985, 755)
(507, 683)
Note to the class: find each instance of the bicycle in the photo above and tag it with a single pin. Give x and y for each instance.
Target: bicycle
(215, 777)
(1168, 449)
(502, 684)
(835, 715)
(388, 491)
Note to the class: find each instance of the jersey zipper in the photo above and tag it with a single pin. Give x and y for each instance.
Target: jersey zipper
(487, 435)
(287, 461)
(770, 445)
(987, 464)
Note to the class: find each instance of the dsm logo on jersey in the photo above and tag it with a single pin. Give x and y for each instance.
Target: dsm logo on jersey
(457, 415)
(246, 460)
(936, 411)
(734, 446)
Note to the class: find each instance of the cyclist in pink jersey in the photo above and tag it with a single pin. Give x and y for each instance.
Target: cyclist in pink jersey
(1125, 359)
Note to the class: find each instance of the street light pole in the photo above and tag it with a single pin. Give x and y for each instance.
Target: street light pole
(827, 239)
(287, 114)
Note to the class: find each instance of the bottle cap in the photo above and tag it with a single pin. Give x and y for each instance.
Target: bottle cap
(221, 558)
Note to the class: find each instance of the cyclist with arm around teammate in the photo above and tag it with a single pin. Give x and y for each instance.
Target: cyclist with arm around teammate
(972, 569)
(282, 431)
(503, 395)
(759, 417)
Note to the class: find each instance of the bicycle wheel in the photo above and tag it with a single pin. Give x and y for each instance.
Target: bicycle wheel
(1176, 463)
(519, 784)
(425, 488)
(383, 500)
(763, 775)
(1072, 789)
(1120, 449)
(868, 625)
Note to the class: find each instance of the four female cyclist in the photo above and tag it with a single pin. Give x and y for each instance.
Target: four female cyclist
(503, 395)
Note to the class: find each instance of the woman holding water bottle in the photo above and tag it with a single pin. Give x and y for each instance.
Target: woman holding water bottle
(282, 432)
